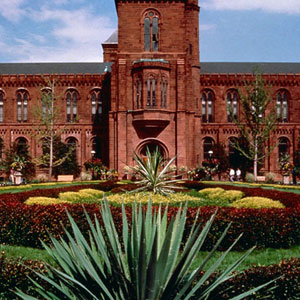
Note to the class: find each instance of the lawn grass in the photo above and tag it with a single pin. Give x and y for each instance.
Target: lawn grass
(29, 187)
(260, 257)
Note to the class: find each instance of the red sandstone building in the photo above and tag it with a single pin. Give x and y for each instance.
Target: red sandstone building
(151, 90)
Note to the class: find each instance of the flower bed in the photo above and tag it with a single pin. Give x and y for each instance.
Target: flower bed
(14, 275)
(288, 199)
(21, 224)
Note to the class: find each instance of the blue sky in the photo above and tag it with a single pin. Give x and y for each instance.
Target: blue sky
(73, 30)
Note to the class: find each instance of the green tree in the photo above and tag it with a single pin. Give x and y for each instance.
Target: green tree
(47, 115)
(256, 121)
(17, 158)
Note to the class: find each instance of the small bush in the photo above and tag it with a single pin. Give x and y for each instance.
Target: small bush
(219, 196)
(232, 195)
(270, 177)
(257, 202)
(156, 198)
(93, 193)
(212, 193)
(42, 178)
(249, 177)
(84, 176)
(70, 196)
(43, 201)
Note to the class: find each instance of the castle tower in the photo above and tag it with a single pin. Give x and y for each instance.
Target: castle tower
(155, 80)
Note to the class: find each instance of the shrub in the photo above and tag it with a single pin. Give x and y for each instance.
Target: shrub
(85, 176)
(232, 195)
(270, 177)
(249, 177)
(43, 201)
(211, 193)
(129, 198)
(42, 178)
(220, 196)
(92, 192)
(150, 267)
(257, 202)
(70, 196)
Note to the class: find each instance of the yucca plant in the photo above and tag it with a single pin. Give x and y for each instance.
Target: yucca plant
(149, 263)
(155, 174)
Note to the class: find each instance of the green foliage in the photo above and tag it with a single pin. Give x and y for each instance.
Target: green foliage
(220, 197)
(249, 178)
(257, 202)
(18, 158)
(151, 267)
(155, 174)
(65, 157)
(256, 120)
(270, 177)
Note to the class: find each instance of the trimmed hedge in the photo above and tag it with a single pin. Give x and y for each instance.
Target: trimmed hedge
(288, 199)
(287, 287)
(25, 225)
(14, 275)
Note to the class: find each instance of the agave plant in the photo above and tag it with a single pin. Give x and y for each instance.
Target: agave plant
(149, 263)
(156, 175)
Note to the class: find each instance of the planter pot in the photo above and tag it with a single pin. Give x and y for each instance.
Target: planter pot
(286, 179)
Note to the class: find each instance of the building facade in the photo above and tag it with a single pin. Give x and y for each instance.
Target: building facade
(151, 90)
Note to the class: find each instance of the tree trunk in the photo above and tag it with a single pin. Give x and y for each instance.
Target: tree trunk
(255, 159)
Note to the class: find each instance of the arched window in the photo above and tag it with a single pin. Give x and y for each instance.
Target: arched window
(164, 92)
(282, 106)
(207, 106)
(1, 107)
(96, 148)
(283, 146)
(22, 146)
(138, 93)
(47, 102)
(232, 104)
(1, 148)
(97, 105)
(22, 106)
(72, 142)
(151, 92)
(151, 31)
(208, 144)
(71, 101)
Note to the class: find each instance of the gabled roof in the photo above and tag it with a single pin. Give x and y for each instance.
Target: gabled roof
(54, 68)
(249, 67)
(113, 39)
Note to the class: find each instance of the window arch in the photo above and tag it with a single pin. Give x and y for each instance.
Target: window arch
(1, 107)
(232, 104)
(208, 144)
(71, 102)
(138, 91)
(46, 101)
(151, 31)
(283, 146)
(21, 146)
(1, 148)
(96, 147)
(72, 142)
(22, 106)
(282, 98)
(151, 91)
(164, 92)
(207, 106)
(97, 105)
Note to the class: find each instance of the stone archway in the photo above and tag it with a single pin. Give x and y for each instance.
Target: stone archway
(152, 144)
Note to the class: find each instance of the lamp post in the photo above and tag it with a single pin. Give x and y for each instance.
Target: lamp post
(93, 152)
